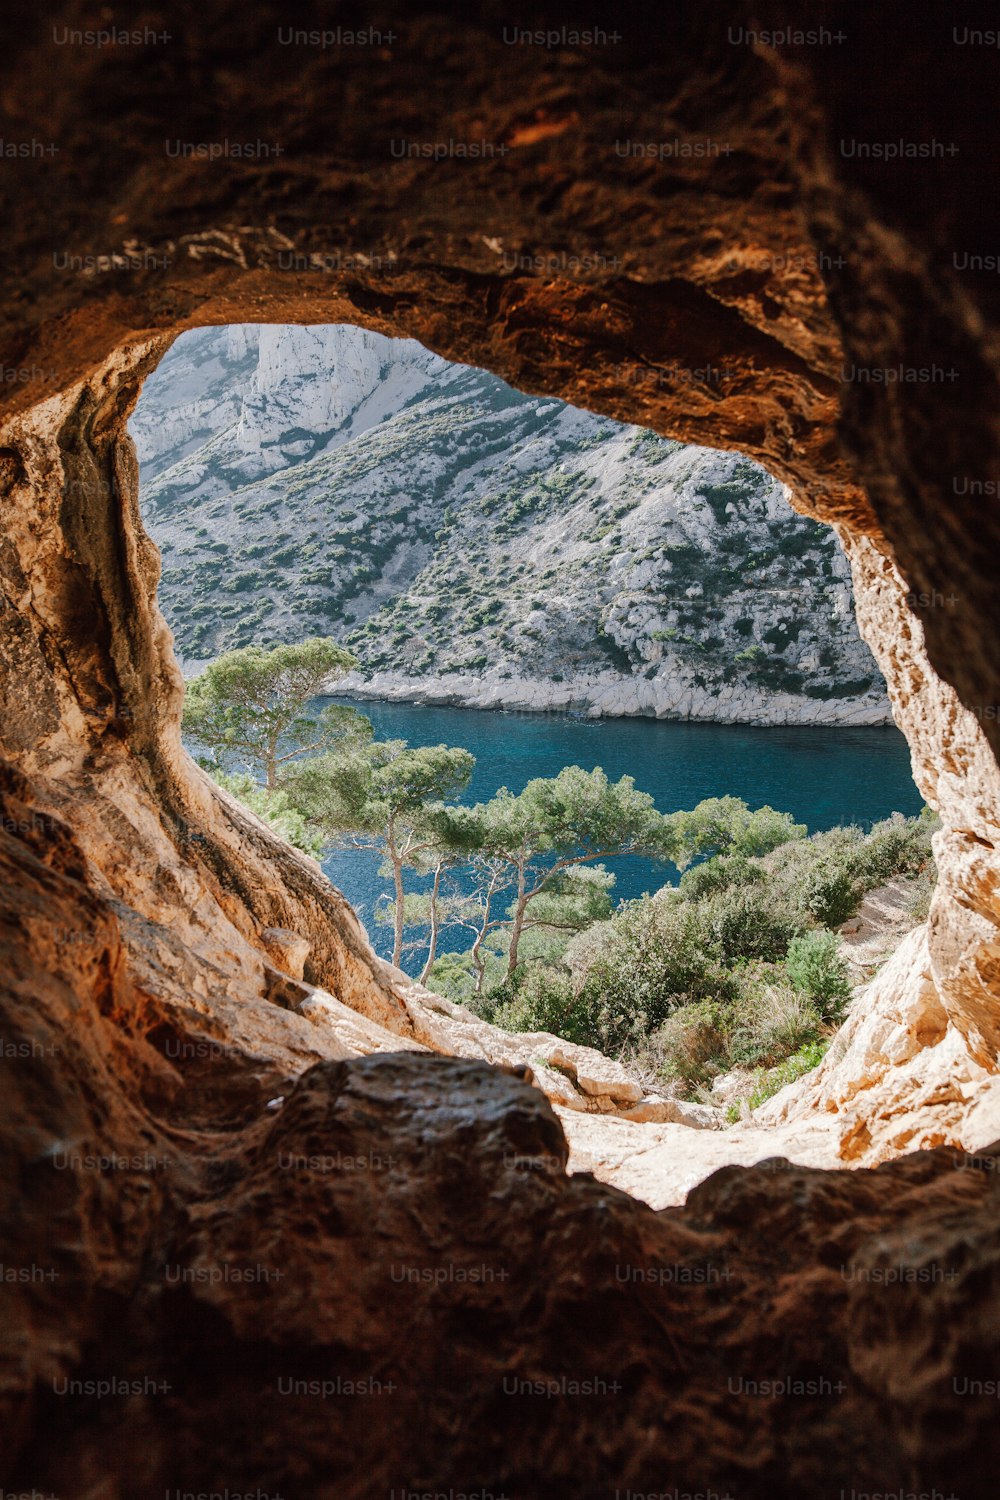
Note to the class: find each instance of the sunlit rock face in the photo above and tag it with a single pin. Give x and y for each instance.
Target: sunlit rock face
(137, 975)
(475, 545)
(235, 404)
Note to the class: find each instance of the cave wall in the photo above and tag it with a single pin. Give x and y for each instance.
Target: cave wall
(715, 295)
(718, 296)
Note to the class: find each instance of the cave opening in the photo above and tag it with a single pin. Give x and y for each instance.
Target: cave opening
(369, 1273)
(626, 598)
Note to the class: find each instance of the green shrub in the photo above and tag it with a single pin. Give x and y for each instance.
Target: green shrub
(736, 967)
(691, 1044)
(832, 894)
(742, 934)
(815, 966)
(655, 955)
(769, 1018)
(750, 922)
(273, 808)
(545, 1000)
(829, 874)
(451, 975)
(620, 979)
(768, 1082)
(897, 846)
(758, 1024)
(720, 873)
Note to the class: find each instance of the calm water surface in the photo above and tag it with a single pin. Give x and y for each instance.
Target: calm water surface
(822, 776)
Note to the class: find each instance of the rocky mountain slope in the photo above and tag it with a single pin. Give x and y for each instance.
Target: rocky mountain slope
(476, 545)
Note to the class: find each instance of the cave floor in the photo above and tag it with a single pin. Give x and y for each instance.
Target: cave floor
(660, 1164)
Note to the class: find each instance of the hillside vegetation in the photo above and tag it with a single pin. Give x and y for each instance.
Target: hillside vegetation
(472, 544)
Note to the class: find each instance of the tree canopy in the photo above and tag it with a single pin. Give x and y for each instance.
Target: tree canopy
(527, 843)
(737, 965)
(254, 703)
(390, 797)
(726, 825)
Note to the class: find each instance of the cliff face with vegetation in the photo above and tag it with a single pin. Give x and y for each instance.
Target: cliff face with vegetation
(476, 545)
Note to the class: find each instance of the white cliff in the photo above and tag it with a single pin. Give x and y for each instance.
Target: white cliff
(477, 546)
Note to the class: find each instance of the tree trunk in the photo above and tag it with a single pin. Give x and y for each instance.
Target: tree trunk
(518, 922)
(271, 765)
(397, 925)
(433, 941)
(478, 962)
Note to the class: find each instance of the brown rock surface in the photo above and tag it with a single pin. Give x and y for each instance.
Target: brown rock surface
(146, 1019)
(328, 1298)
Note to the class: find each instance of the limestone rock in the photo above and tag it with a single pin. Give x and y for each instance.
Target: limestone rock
(730, 1086)
(358, 1036)
(676, 1112)
(288, 950)
(898, 1076)
(662, 1162)
(570, 1074)
(595, 1074)
(511, 488)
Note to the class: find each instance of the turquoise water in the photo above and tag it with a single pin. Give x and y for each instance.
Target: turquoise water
(822, 776)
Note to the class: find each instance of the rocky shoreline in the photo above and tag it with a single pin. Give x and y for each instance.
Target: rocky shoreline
(610, 695)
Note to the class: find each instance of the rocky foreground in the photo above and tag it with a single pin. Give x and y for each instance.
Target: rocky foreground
(272, 1200)
(896, 1079)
